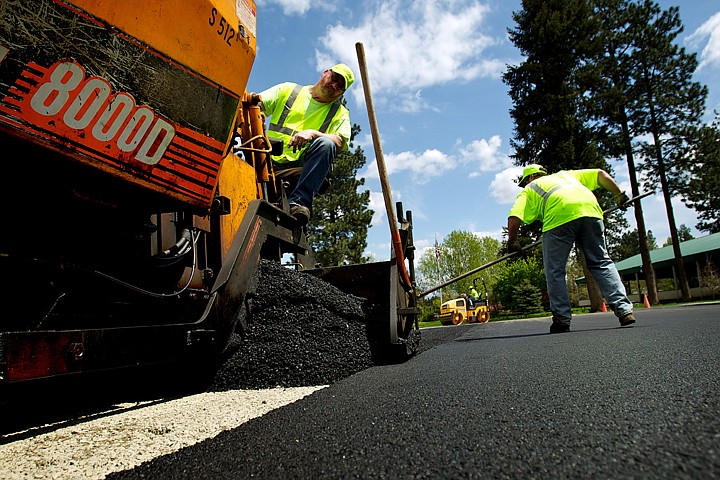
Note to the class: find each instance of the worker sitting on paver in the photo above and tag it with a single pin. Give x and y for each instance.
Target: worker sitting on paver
(313, 125)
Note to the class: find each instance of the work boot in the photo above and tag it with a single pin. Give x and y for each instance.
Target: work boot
(559, 327)
(626, 320)
(301, 214)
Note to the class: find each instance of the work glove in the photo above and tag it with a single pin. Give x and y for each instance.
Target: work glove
(514, 247)
(622, 200)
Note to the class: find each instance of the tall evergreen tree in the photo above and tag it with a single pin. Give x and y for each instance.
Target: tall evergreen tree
(341, 217)
(556, 37)
(684, 235)
(611, 88)
(629, 245)
(607, 70)
(702, 192)
(667, 105)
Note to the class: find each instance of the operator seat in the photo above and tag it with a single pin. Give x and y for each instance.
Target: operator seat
(288, 176)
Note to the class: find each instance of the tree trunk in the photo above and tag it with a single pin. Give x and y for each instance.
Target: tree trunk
(596, 298)
(679, 267)
(648, 270)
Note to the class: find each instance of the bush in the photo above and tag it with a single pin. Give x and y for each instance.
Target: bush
(520, 274)
(528, 297)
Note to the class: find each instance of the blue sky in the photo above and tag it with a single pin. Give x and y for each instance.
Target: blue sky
(434, 70)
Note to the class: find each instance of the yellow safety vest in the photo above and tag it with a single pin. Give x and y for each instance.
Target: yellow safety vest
(558, 199)
(292, 109)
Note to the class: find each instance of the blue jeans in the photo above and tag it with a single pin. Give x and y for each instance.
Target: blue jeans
(588, 233)
(316, 160)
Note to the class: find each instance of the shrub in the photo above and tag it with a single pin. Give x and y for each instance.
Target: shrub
(520, 274)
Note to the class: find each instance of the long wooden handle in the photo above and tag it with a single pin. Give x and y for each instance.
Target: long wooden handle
(382, 170)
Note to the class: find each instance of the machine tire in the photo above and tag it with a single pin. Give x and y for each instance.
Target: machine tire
(483, 317)
(457, 318)
(404, 329)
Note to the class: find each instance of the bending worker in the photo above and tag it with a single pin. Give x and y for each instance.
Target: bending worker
(570, 214)
(314, 126)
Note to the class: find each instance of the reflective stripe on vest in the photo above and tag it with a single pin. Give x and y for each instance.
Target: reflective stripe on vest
(278, 127)
(546, 195)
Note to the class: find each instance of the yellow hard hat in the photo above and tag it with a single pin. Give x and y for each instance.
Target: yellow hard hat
(531, 170)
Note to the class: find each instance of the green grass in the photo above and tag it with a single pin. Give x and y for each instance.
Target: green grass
(432, 323)
(496, 317)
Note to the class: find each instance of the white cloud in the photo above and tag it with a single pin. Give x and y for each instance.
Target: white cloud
(504, 188)
(422, 167)
(377, 205)
(710, 30)
(422, 245)
(414, 45)
(479, 156)
(485, 154)
(365, 141)
(289, 7)
(622, 177)
(496, 234)
(379, 223)
(412, 102)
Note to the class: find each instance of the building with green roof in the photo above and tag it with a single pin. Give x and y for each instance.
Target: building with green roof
(701, 258)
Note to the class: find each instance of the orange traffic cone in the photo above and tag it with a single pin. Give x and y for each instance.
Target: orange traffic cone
(603, 308)
(647, 302)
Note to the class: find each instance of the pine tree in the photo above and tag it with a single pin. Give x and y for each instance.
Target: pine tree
(684, 235)
(611, 86)
(528, 297)
(667, 105)
(629, 245)
(702, 192)
(524, 271)
(608, 71)
(556, 37)
(341, 217)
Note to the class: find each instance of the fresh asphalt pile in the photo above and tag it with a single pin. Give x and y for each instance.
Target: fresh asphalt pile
(301, 331)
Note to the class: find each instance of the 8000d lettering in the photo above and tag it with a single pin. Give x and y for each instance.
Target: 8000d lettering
(89, 111)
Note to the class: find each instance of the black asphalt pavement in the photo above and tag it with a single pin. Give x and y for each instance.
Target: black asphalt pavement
(500, 400)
